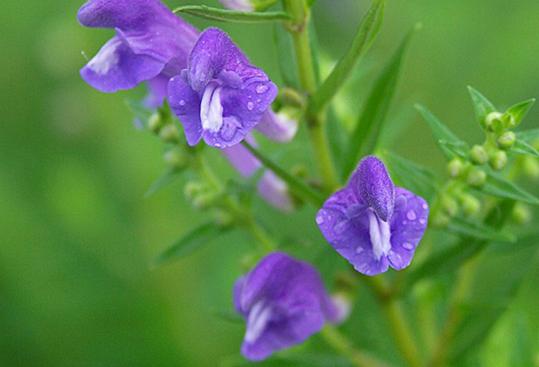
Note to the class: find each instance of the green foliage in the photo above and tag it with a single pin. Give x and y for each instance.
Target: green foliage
(370, 123)
(482, 106)
(190, 242)
(448, 142)
(500, 187)
(224, 15)
(365, 36)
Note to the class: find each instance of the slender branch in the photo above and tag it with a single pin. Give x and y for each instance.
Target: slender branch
(299, 29)
(343, 345)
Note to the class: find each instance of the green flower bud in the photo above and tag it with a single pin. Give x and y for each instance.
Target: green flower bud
(530, 167)
(440, 220)
(521, 214)
(498, 160)
(470, 204)
(155, 123)
(192, 189)
(450, 206)
(169, 134)
(223, 219)
(204, 201)
(476, 177)
(478, 155)
(176, 158)
(455, 167)
(506, 140)
(494, 121)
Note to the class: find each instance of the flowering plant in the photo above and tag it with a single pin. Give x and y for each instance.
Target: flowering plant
(371, 210)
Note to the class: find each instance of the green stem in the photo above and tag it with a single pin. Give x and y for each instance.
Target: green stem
(242, 215)
(400, 327)
(299, 29)
(344, 346)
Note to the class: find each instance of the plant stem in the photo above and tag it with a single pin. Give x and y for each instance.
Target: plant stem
(343, 345)
(243, 216)
(395, 316)
(299, 29)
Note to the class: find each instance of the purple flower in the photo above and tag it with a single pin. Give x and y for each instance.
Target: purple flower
(283, 301)
(151, 44)
(277, 126)
(372, 223)
(270, 187)
(221, 96)
(241, 5)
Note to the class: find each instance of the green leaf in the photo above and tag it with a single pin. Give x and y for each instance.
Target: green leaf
(452, 257)
(191, 242)
(464, 227)
(164, 180)
(529, 136)
(367, 32)
(482, 106)
(234, 16)
(450, 144)
(521, 147)
(498, 186)
(519, 111)
(297, 186)
(491, 295)
(286, 59)
(229, 316)
(411, 176)
(366, 132)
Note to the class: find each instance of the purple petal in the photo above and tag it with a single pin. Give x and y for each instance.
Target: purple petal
(185, 103)
(277, 127)
(116, 67)
(371, 182)
(284, 302)
(150, 40)
(344, 222)
(408, 225)
(158, 89)
(242, 160)
(275, 191)
(241, 5)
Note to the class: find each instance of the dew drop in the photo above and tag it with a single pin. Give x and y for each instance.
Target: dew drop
(408, 246)
(250, 105)
(261, 88)
(425, 206)
(359, 250)
(411, 215)
(422, 221)
(319, 219)
(182, 103)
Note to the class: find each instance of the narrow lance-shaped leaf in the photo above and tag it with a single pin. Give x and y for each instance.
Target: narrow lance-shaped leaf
(500, 187)
(482, 106)
(191, 242)
(296, 185)
(233, 16)
(370, 123)
(410, 175)
(519, 111)
(529, 136)
(368, 29)
(464, 227)
(521, 147)
(450, 144)
(164, 180)
(490, 297)
(451, 258)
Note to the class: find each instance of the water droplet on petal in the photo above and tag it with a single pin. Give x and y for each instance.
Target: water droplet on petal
(250, 105)
(182, 103)
(422, 221)
(411, 215)
(408, 246)
(319, 219)
(359, 250)
(425, 206)
(261, 88)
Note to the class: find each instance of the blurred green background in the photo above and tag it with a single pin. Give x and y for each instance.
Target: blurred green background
(77, 236)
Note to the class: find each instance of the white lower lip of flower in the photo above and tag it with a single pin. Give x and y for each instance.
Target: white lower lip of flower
(211, 109)
(105, 59)
(257, 321)
(380, 235)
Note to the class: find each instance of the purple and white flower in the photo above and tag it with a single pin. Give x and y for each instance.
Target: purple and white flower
(372, 223)
(284, 302)
(220, 97)
(151, 44)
